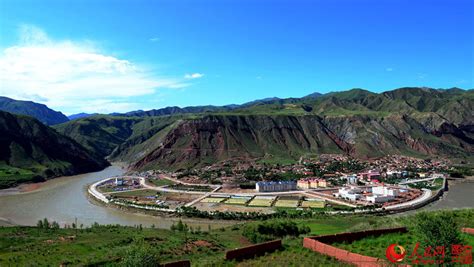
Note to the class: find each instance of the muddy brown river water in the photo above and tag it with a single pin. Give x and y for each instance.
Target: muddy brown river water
(64, 199)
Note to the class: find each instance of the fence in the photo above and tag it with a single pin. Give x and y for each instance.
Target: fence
(468, 231)
(252, 251)
(320, 244)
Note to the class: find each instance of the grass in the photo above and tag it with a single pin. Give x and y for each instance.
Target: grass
(11, 176)
(287, 203)
(237, 201)
(313, 204)
(106, 245)
(261, 202)
(160, 182)
(136, 193)
(213, 200)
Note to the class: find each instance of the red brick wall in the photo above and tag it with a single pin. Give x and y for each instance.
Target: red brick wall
(468, 230)
(317, 244)
(251, 251)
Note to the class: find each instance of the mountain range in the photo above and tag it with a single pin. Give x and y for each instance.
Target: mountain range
(32, 151)
(420, 122)
(39, 111)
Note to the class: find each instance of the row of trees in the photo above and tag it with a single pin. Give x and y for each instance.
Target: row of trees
(266, 231)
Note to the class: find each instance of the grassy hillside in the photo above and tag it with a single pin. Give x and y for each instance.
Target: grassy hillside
(38, 111)
(111, 245)
(31, 151)
(419, 122)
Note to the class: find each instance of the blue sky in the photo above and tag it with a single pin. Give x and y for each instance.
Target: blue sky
(104, 56)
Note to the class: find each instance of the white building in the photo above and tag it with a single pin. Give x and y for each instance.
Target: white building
(350, 193)
(275, 186)
(384, 191)
(379, 198)
(118, 181)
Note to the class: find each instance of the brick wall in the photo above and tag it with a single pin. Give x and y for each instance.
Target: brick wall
(321, 244)
(468, 230)
(254, 250)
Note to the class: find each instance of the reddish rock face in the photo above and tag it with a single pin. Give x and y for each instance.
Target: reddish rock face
(213, 138)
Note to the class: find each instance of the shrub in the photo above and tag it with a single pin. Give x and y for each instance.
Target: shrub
(266, 231)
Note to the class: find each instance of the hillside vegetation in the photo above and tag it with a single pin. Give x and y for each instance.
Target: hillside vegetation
(419, 122)
(38, 111)
(115, 245)
(32, 151)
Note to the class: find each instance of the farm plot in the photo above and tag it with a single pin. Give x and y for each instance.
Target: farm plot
(315, 204)
(237, 200)
(213, 200)
(262, 201)
(287, 203)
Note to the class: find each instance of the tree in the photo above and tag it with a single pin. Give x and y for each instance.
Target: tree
(39, 224)
(438, 229)
(45, 223)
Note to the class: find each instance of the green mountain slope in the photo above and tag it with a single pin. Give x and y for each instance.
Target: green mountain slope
(420, 122)
(31, 151)
(38, 111)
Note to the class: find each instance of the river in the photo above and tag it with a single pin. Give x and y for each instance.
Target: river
(460, 195)
(65, 198)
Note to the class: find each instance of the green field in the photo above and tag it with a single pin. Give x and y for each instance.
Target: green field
(286, 203)
(213, 200)
(159, 182)
(237, 201)
(261, 202)
(313, 204)
(10, 176)
(109, 245)
(136, 193)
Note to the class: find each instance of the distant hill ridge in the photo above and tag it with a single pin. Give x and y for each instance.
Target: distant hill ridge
(38, 111)
(419, 122)
(32, 151)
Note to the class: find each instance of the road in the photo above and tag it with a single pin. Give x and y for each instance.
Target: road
(424, 197)
(419, 180)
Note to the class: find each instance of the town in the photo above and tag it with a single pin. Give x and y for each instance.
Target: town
(332, 183)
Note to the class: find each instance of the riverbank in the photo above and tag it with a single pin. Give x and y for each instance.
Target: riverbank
(64, 199)
(190, 210)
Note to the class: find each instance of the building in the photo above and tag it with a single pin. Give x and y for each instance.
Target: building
(379, 198)
(350, 179)
(309, 183)
(303, 184)
(322, 183)
(384, 191)
(119, 181)
(350, 193)
(370, 175)
(275, 186)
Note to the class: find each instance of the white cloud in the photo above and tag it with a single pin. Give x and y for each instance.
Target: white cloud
(389, 69)
(193, 76)
(154, 39)
(69, 75)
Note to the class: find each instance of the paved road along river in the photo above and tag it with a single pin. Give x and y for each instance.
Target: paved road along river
(65, 198)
